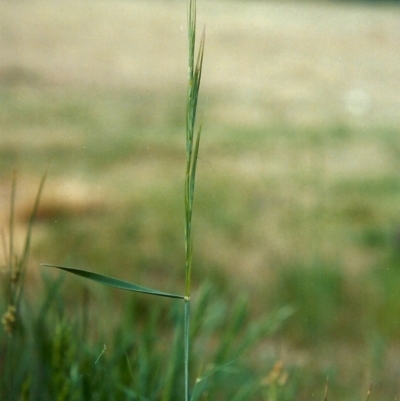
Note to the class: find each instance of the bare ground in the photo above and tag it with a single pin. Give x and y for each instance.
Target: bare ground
(303, 63)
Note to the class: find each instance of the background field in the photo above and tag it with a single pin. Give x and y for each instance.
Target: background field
(298, 192)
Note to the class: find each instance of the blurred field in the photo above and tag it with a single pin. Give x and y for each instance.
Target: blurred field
(298, 193)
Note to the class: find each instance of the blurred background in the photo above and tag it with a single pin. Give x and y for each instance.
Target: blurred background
(298, 189)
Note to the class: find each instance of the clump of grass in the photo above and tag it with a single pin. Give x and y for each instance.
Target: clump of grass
(15, 265)
(15, 271)
(48, 356)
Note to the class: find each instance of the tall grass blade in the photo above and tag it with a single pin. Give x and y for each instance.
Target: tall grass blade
(32, 218)
(114, 282)
(25, 253)
(11, 254)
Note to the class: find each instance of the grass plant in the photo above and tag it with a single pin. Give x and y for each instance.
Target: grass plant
(192, 151)
(62, 365)
(308, 220)
(15, 269)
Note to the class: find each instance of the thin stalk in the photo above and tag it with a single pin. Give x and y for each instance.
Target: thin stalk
(10, 350)
(25, 253)
(11, 255)
(187, 346)
(192, 150)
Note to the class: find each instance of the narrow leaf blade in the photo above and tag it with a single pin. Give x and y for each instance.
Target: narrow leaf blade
(32, 220)
(114, 282)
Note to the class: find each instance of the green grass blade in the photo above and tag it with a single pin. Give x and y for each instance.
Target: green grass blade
(25, 253)
(32, 217)
(11, 258)
(113, 282)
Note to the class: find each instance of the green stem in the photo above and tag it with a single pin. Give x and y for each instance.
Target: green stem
(192, 149)
(187, 346)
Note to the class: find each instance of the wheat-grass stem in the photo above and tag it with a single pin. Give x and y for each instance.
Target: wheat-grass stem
(192, 150)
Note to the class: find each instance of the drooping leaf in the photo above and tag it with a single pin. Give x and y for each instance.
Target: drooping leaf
(114, 282)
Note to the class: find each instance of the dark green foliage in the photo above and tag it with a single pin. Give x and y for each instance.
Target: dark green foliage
(51, 357)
